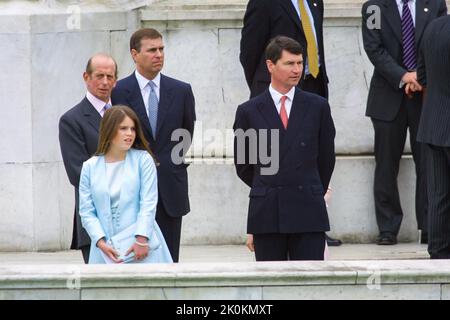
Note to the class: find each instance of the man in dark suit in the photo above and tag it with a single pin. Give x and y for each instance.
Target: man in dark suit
(163, 106)
(434, 131)
(392, 31)
(78, 132)
(287, 214)
(300, 20)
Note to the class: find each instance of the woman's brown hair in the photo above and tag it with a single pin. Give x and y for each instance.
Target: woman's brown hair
(109, 126)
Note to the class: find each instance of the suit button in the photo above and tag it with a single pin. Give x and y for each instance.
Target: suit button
(300, 188)
(279, 188)
(302, 144)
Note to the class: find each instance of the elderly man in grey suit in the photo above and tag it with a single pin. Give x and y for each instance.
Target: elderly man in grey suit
(434, 131)
(78, 131)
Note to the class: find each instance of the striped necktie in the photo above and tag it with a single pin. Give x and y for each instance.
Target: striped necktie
(409, 51)
(152, 108)
(311, 45)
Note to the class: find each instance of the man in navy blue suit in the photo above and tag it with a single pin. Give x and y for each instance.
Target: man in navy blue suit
(293, 128)
(163, 106)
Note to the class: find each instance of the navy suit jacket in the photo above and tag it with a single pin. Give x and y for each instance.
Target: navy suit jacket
(290, 201)
(176, 110)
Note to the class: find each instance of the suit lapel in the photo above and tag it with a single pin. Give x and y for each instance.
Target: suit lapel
(92, 115)
(393, 17)
(165, 102)
(422, 17)
(296, 116)
(269, 112)
(136, 100)
(291, 12)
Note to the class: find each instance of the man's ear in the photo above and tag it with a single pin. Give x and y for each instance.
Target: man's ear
(270, 65)
(133, 54)
(85, 76)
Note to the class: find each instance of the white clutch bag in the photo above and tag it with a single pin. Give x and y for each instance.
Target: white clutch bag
(123, 241)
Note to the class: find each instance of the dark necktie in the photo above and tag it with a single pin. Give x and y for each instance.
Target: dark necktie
(409, 52)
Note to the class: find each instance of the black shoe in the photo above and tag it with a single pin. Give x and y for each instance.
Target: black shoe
(386, 240)
(332, 242)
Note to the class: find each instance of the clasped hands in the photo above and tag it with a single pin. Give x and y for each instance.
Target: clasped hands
(140, 249)
(412, 85)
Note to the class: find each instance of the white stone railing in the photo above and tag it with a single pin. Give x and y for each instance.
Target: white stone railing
(398, 280)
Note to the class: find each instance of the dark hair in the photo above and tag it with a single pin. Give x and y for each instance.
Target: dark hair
(276, 46)
(145, 33)
(89, 68)
(109, 127)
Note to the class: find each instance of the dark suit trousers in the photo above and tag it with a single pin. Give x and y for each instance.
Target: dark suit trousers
(295, 246)
(85, 250)
(438, 173)
(390, 137)
(171, 230)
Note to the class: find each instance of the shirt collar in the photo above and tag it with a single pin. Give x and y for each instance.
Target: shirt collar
(96, 102)
(143, 81)
(277, 96)
(400, 2)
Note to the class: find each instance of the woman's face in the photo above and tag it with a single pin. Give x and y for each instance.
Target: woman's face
(125, 136)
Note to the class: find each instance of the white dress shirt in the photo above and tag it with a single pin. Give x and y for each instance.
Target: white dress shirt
(276, 97)
(145, 88)
(412, 8)
(98, 104)
(311, 19)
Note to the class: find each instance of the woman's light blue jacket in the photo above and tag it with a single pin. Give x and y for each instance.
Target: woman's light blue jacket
(138, 200)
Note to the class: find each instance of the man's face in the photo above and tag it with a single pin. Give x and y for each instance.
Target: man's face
(102, 79)
(150, 59)
(287, 71)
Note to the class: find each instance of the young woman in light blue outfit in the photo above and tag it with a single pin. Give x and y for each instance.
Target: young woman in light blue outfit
(118, 194)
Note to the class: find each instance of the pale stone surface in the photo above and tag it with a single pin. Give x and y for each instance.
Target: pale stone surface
(40, 294)
(352, 209)
(17, 215)
(414, 279)
(353, 292)
(124, 294)
(211, 293)
(15, 95)
(47, 225)
(445, 292)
